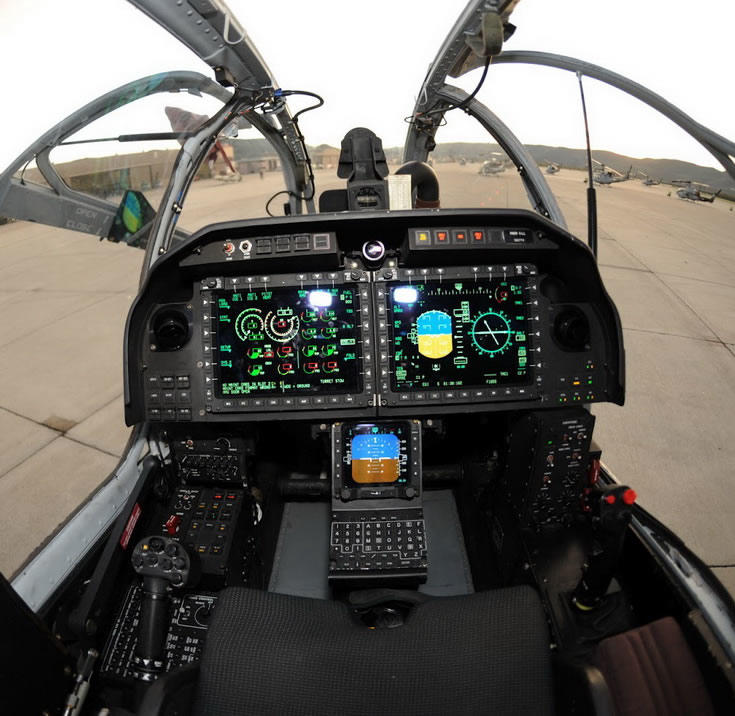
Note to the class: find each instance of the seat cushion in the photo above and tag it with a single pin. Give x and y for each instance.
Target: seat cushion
(485, 653)
(650, 671)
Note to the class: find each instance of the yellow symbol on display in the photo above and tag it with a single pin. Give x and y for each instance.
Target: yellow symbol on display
(434, 330)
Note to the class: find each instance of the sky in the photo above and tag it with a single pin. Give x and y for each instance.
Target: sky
(368, 62)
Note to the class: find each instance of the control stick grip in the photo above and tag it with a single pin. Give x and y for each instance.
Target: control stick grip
(162, 563)
(611, 509)
(150, 650)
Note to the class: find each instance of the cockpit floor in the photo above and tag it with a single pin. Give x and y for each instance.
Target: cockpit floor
(301, 561)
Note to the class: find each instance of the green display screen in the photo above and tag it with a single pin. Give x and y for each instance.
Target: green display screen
(287, 341)
(459, 334)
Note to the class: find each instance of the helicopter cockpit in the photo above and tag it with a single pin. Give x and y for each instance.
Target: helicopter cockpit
(363, 475)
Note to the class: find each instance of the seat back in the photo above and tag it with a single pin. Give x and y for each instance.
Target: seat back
(271, 653)
(651, 671)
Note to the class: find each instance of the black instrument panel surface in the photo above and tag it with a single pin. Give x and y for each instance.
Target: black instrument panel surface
(432, 329)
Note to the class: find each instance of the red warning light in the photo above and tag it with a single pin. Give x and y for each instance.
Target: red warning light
(610, 499)
(629, 497)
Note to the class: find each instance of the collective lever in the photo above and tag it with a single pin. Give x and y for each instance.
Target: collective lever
(162, 563)
(612, 508)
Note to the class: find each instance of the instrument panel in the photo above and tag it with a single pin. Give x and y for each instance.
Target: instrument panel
(506, 322)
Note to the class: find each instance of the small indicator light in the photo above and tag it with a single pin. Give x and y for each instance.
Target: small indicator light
(610, 499)
(320, 299)
(405, 294)
(629, 497)
(478, 235)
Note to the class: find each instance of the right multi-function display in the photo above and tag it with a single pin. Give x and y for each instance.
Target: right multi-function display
(459, 333)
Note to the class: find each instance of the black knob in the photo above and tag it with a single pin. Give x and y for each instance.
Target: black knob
(410, 492)
(171, 330)
(373, 250)
(344, 494)
(572, 329)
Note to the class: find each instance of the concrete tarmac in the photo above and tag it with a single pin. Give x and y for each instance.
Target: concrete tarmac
(668, 264)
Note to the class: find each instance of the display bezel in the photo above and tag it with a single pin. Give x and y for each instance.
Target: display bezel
(472, 394)
(361, 397)
(345, 490)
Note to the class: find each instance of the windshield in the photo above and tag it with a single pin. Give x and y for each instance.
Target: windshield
(664, 248)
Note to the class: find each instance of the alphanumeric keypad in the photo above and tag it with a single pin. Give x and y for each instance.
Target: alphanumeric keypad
(378, 540)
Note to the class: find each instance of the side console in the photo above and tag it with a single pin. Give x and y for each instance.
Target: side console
(547, 456)
(377, 533)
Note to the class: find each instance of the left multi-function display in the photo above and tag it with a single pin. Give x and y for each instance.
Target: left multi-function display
(285, 341)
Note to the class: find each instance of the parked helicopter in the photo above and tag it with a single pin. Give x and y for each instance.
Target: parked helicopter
(495, 165)
(606, 175)
(695, 191)
(647, 180)
(362, 477)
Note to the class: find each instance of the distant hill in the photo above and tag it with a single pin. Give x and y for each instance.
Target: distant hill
(667, 170)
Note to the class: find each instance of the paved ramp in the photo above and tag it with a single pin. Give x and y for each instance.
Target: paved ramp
(668, 264)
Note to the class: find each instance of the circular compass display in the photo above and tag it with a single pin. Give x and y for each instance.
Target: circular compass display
(249, 324)
(281, 328)
(491, 333)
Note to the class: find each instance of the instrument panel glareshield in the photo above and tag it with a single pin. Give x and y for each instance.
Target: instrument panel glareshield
(398, 340)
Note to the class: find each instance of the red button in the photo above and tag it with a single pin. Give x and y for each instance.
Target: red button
(478, 235)
(629, 497)
(441, 236)
(610, 499)
(172, 524)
